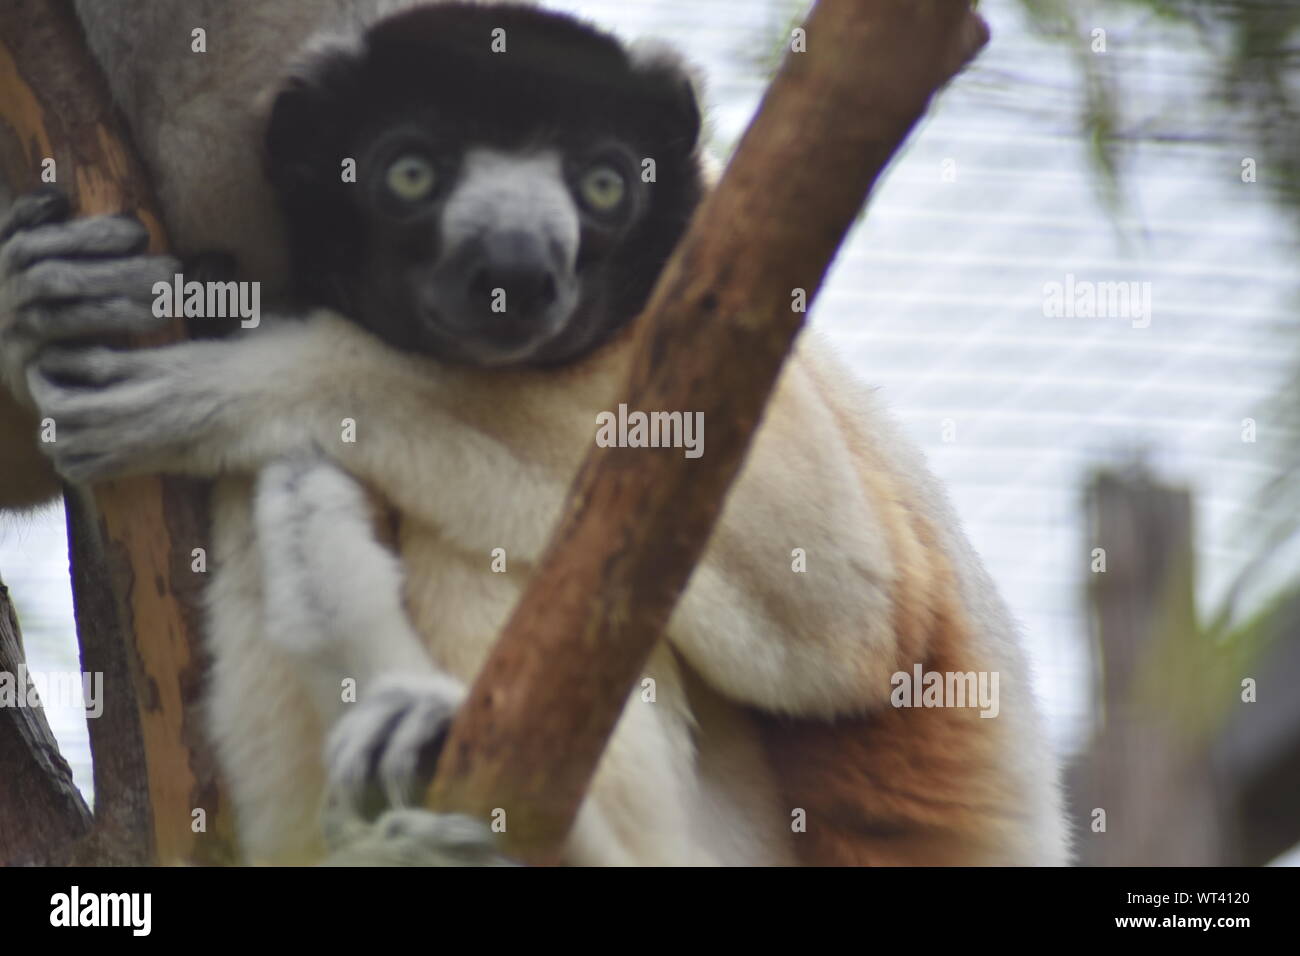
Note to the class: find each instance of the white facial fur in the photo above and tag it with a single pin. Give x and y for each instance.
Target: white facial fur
(499, 191)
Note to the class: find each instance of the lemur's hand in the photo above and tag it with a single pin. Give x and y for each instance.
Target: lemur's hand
(66, 284)
(63, 280)
(119, 413)
(383, 750)
(379, 757)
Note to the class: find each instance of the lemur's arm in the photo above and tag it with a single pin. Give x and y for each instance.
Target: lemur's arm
(333, 606)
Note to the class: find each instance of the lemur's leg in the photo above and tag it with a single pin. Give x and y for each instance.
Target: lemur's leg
(333, 598)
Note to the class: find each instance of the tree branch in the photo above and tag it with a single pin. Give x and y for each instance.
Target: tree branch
(42, 814)
(712, 339)
(134, 591)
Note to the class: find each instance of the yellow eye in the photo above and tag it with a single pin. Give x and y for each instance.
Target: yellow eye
(602, 188)
(411, 178)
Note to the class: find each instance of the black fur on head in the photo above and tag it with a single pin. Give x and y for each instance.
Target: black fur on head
(429, 76)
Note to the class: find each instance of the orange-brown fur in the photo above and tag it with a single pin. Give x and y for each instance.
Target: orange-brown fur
(897, 786)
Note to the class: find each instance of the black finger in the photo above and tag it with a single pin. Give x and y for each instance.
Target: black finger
(96, 237)
(84, 318)
(54, 279)
(43, 206)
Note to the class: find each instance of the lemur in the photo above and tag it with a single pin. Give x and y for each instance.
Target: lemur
(485, 175)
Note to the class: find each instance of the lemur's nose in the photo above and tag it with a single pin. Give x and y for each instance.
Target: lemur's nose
(514, 276)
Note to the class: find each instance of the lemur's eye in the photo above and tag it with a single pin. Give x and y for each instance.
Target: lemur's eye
(602, 188)
(411, 178)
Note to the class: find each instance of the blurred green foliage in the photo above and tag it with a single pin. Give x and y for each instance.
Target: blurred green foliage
(1253, 51)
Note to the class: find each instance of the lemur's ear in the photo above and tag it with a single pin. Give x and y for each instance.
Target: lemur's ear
(307, 114)
(676, 88)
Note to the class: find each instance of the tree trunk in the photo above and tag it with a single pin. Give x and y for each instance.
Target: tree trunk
(130, 549)
(1147, 766)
